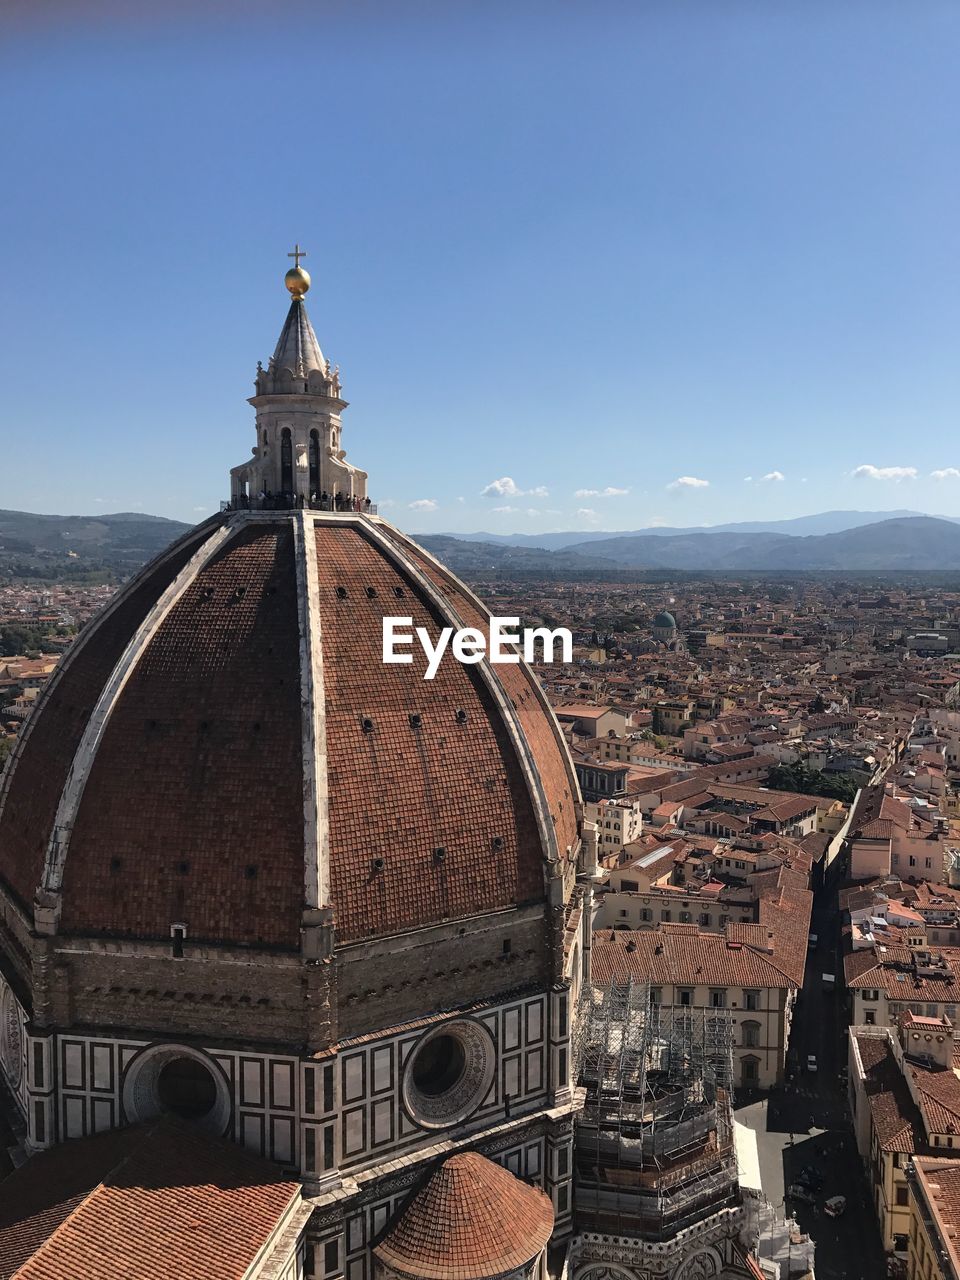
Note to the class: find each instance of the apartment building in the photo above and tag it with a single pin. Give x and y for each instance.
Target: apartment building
(905, 1100)
(747, 970)
(890, 979)
(934, 1189)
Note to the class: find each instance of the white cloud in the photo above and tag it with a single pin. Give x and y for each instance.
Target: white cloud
(102, 500)
(688, 482)
(385, 502)
(748, 479)
(772, 475)
(947, 473)
(506, 510)
(461, 499)
(502, 488)
(869, 472)
(506, 487)
(609, 492)
(587, 513)
(423, 504)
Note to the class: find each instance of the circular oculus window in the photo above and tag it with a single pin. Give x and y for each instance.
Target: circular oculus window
(11, 1036)
(173, 1079)
(448, 1074)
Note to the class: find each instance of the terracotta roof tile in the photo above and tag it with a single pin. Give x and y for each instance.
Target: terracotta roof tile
(452, 783)
(56, 725)
(150, 1202)
(199, 775)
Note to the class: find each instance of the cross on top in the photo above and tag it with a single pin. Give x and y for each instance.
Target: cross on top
(297, 254)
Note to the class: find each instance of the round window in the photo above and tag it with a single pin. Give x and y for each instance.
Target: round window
(439, 1065)
(449, 1073)
(186, 1087)
(172, 1079)
(11, 1036)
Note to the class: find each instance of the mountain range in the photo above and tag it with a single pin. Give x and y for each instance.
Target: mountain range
(908, 543)
(799, 526)
(72, 547)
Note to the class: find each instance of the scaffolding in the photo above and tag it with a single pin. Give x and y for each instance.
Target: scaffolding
(655, 1150)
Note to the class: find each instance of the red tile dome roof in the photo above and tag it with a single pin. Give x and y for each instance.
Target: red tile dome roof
(224, 746)
(472, 1220)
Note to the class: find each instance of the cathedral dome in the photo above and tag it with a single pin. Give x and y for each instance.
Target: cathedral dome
(224, 751)
(472, 1220)
(665, 622)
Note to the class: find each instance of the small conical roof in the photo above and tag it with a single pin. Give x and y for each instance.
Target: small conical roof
(298, 348)
(472, 1219)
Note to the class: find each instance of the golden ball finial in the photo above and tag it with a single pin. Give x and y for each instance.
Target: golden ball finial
(297, 281)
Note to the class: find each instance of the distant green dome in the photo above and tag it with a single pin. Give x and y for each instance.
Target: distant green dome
(665, 622)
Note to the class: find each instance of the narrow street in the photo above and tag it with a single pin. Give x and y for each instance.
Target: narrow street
(807, 1121)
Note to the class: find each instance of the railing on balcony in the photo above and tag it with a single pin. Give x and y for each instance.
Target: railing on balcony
(292, 502)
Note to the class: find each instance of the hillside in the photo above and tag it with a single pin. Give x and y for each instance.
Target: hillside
(79, 547)
(910, 543)
(477, 557)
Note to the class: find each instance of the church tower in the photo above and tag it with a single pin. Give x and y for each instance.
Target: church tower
(298, 459)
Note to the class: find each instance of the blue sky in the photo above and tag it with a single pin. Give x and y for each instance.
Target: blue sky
(554, 248)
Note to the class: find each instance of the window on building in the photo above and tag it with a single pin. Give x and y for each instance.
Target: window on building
(685, 996)
(705, 919)
(903, 1196)
(870, 1017)
(331, 1256)
(664, 915)
(286, 461)
(718, 999)
(646, 914)
(656, 995)
(751, 1034)
(314, 462)
(872, 994)
(913, 861)
(751, 999)
(629, 886)
(740, 866)
(685, 917)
